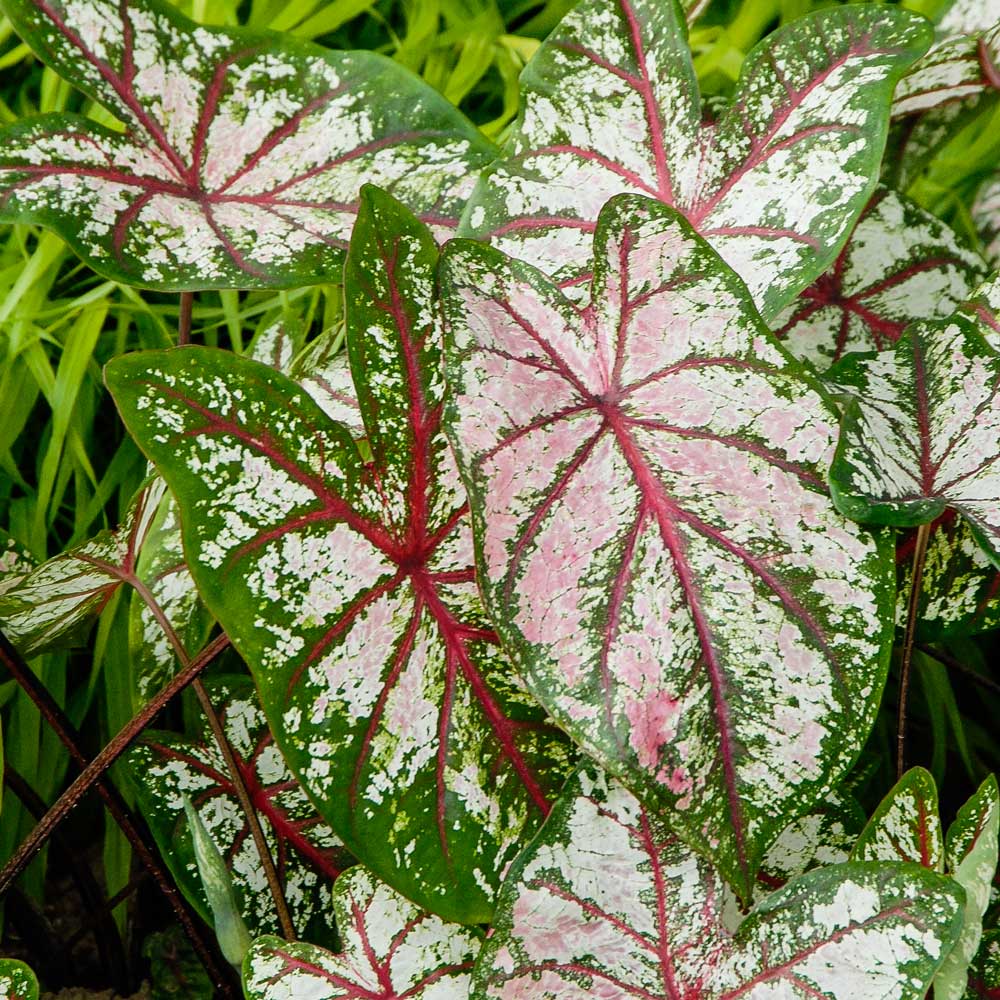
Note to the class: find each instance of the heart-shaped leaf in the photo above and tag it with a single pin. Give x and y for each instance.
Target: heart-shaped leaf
(349, 586)
(611, 105)
(921, 432)
(656, 544)
(986, 213)
(606, 903)
(53, 604)
(17, 981)
(167, 768)
(391, 951)
(906, 826)
(243, 153)
(900, 264)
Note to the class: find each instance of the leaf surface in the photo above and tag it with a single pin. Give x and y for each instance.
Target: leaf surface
(900, 264)
(242, 154)
(611, 106)
(607, 903)
(391, 951)
(655, 540)
(986, 213)
(167, 768)
(349, 586)
(17, 981)
(15, 562)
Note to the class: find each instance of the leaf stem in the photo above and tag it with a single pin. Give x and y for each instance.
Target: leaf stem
(912, 616)
(184, 318)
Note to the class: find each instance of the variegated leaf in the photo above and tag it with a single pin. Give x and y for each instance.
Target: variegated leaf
(966, 17)
(380, 674)
(277, 343)
(611, 105)
(53, 604)
(17, 981)
(607, 903)
(391, 951)
(15, 562)
(906, 826)
(323, 371)
(243, 153)
(900, 264)
(986, 213)
(971, 851)
(921, 432)
(167, 768)
(656, 543)
(983, 308)
(984, 972)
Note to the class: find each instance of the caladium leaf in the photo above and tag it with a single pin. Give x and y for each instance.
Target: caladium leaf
(391, 951)
(167, 768)
(611, 105)
(605, 902)
(324, 372)
(984, 972)
(921, 432)
(983, 308)
(380, 674)
(638, 473)
(971, 850)
(900, 264)
(986, 213)
(906, 826)
(53, 604)
(15, 562)
(243, 153)
(17, 981)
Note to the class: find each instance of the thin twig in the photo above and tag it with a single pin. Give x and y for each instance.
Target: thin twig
(184, 318)
(912, 616)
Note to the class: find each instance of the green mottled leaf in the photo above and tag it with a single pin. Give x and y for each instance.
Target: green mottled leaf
(607, 903)
(611, 106)
(391, 950)
(348, 586)
(921, 432)
(168, 769)
(906, 826)
(639, 473)
(900, 264)
(984, 972)
(242, 154)
(17, 981)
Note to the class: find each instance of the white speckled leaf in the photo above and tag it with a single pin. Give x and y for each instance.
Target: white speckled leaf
(965, 17)
(324, 372)
(983, 308)
(53, 604)
(17, 981)
(349, 586)
(611, 106)
(971, 851)
(921, 432)
(906, 826)
(278, 342)
(15, 562)
(655, 540)
(900, 264)
(167, 768)
(984, 972)
(986, 214)
(243, 153)
(607, 903)
(391, 951)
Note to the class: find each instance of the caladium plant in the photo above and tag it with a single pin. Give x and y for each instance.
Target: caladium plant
(17, 981)
(607, 902)
(386, 689)
(391, 951)
(611, 105)
(622, 461)
(242, 154)
(986, 212)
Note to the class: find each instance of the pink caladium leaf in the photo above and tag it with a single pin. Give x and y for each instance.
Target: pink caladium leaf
(607, 903)
(657, 546)
(242, 154)
(921, 431)
(391, 951)
(611, 106)
(17, 981)
(900, 264)
(349, 585)
(166, 768)
(906, 826)
(53, 604)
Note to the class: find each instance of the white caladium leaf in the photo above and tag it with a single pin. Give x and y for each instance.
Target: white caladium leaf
(15, 562)
(243, 153)
(983, 308)
(391, 951)
(607, 903)
(986, 214)
(901, 264)
(971, 850)
(966, 17)
(611, 106)
(278, 342)
(324, 372)
(639, 472)
(168, 769)
(906, 826)
(54, 603)
(349, 586)
(921, 432)
(17, 981)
